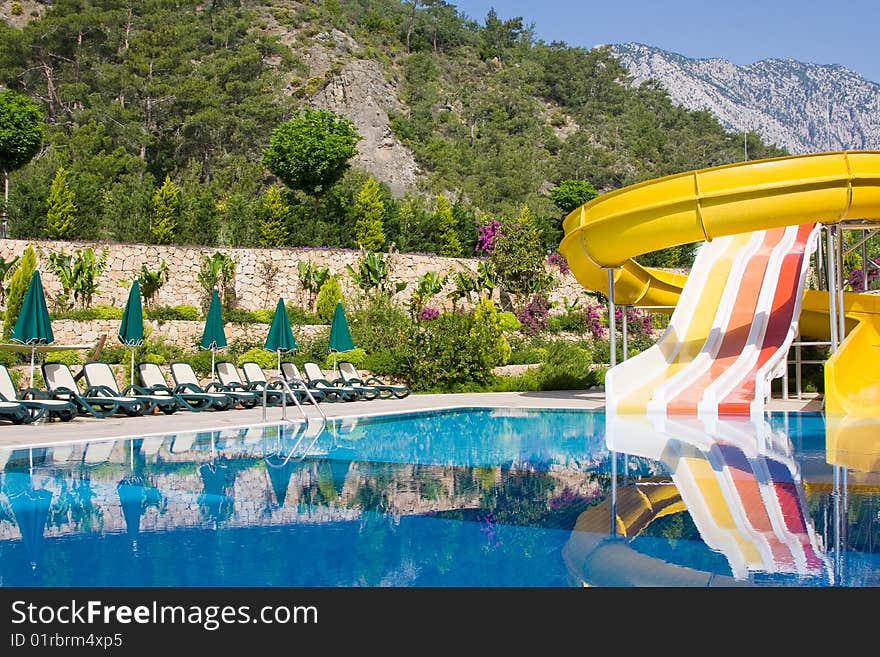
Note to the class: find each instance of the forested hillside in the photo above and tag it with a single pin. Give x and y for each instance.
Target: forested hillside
(184, 96)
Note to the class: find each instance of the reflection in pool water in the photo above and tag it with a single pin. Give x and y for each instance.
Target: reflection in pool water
(464, 497)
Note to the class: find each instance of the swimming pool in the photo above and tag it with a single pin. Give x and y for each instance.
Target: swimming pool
(479, 497)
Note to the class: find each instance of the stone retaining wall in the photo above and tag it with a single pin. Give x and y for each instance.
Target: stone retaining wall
(262, 275)
(185, 334)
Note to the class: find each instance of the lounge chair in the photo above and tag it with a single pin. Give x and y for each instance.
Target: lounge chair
(296, 380)
(16, 412)
(151, 377)
(37, 401)
(349, 375)
(60, 384)
(229, 377)
(316, 380)
(256, 377)
(185, 378)
(101, 380)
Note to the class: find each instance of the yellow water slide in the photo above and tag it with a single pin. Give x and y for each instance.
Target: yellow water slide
(829, 188)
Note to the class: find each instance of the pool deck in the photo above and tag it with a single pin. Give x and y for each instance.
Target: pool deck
(86, 428)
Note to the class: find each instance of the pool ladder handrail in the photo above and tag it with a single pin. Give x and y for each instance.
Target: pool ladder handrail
(302, 431)
(285, 387)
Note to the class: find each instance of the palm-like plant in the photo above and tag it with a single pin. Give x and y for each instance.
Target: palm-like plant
(218, 271)
(372, 274)
(151, 281)
(86, 270)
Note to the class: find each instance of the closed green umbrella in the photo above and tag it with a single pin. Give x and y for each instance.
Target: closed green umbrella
(33, 325)
(131, 328)
(340, 336)
(280, 336)
(214, 337)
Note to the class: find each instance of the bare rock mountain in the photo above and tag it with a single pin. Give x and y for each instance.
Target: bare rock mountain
(801, 107)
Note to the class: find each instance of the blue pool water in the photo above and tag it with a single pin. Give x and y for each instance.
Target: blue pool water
(465, 497)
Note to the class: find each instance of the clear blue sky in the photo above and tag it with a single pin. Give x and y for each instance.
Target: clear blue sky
(744, 31)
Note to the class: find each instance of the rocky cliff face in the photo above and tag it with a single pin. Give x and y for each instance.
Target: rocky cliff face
(801, 107)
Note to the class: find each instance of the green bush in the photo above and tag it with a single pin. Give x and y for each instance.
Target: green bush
(12, 358)
(19, 380)
(380, 325)
(167, 351)
(87, 314)
(574, 321)
(568, 367)
(509, 322)
(263, 315)
(69, 356)
(268, 360)
(299, 315)
(355, 356)
(18, 285)
(325, 305)
(115, 354)
(528, 356)
(455, 349)
(237, 347)
(387, 364)
(151, 357)
(184, 312)
(239, 316)
(201, 361)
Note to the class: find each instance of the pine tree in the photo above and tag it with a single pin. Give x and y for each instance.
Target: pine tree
(60, 208)
(369, 230)
(450, 245)
(273, 219)
(330, 293)
(18, 285)
(166, 206)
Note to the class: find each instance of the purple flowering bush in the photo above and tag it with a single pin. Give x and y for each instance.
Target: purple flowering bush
(534, 315)
(637, 321)
(486, 236)
(856, 278)
(427, 313)
(557, 260)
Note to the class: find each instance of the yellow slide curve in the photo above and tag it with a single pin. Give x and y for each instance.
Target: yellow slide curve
(703, 204)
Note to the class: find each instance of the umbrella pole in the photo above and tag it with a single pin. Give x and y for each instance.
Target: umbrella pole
(33, 349)
(212, 364)
(132, 366)
(279, 361)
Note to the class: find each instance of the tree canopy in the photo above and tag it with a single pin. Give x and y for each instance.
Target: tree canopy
(21, 130)
(311, 151)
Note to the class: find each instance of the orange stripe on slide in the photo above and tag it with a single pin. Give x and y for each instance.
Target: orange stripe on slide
(781, 317)
(738, 326)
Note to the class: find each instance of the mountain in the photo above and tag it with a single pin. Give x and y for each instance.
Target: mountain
(798, 106)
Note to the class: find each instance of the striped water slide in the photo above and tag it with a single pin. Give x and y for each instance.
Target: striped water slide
(744, 385)
(737, 324)
(740, 487)
(791, 518)
(630, 385)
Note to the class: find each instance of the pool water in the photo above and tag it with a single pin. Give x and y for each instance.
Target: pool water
(464, 497)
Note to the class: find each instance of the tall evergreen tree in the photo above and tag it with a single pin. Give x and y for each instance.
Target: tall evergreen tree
(18, 285)
(450, 244)
(166, 206)
(273, 219)
(369, 229)
(60, 208)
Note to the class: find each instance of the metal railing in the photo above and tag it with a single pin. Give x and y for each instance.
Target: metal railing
(287, 391)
